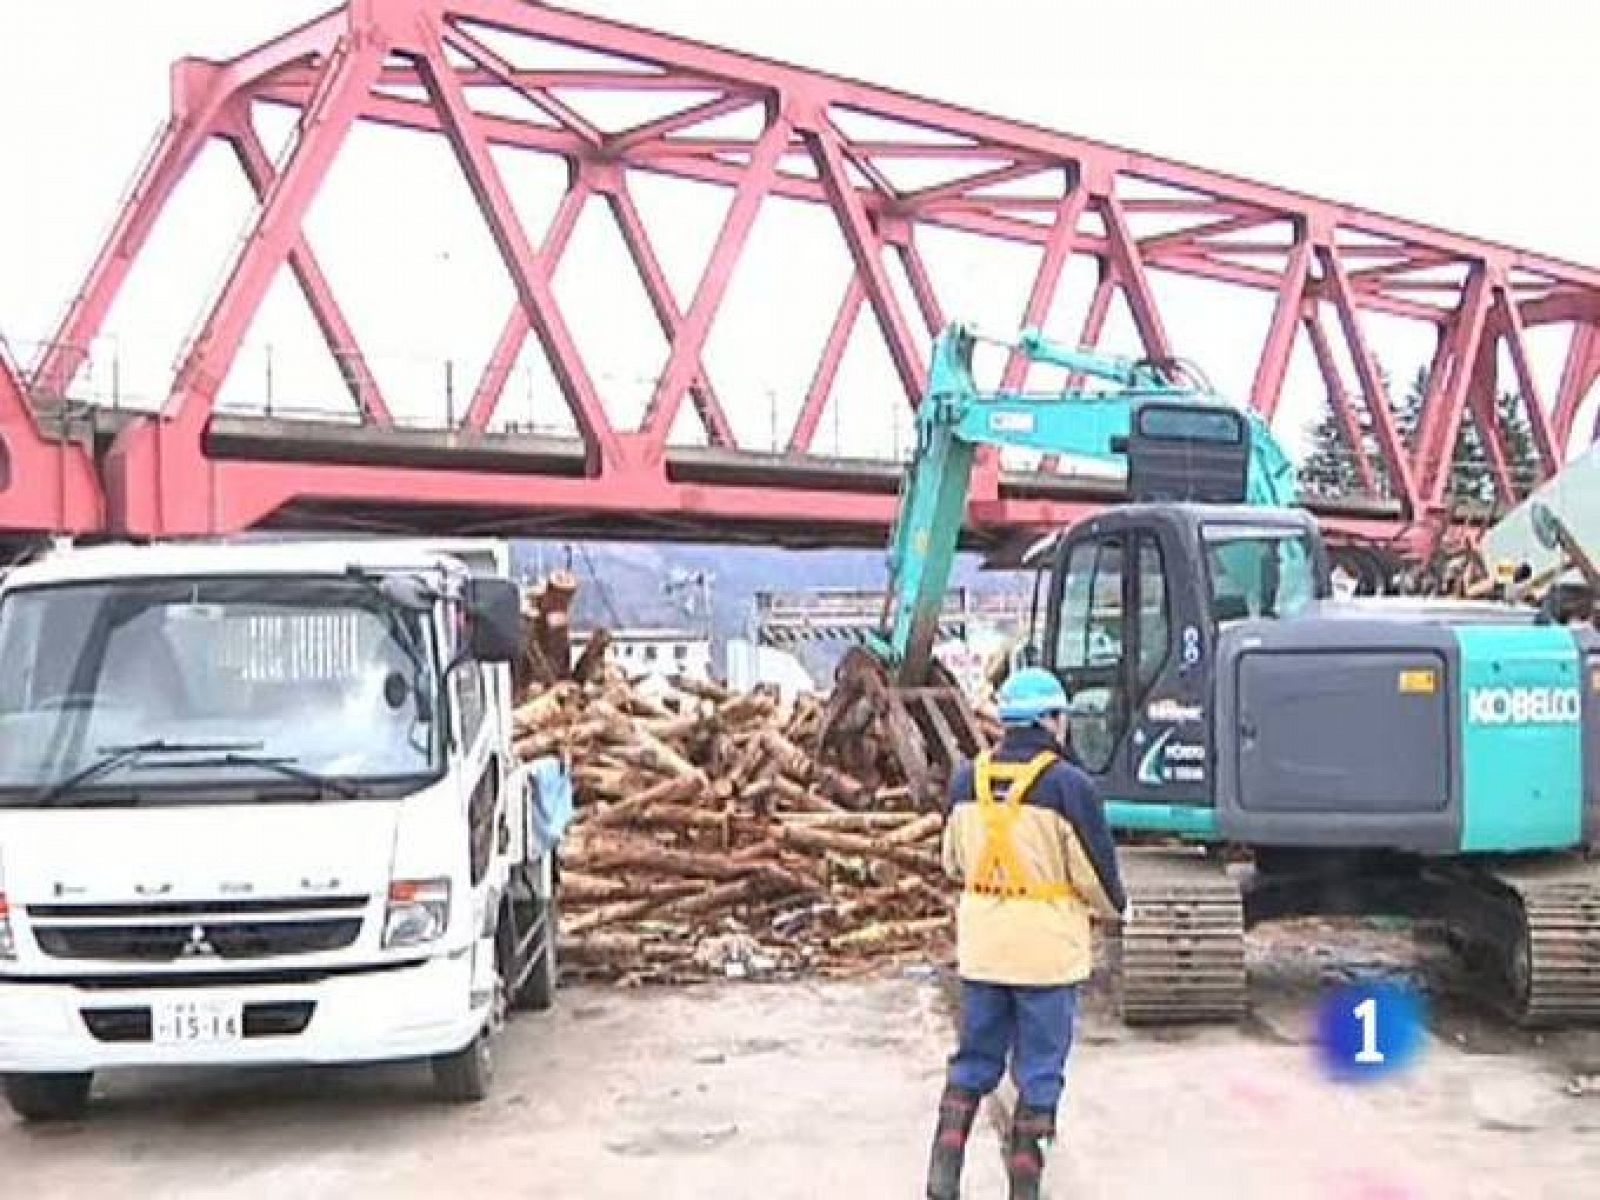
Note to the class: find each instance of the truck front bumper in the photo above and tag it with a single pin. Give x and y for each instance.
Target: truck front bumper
(362, 1016)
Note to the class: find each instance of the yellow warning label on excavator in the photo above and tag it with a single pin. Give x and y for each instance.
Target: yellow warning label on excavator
(1418, 682)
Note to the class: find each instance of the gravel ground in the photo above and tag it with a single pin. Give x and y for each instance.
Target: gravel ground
(790, 1090)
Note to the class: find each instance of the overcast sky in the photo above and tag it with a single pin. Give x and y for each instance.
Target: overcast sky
(1470, 116)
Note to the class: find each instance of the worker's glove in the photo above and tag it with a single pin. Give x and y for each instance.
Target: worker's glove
(1127, 913)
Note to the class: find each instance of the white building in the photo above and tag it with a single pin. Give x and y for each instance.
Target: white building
(750, 664)
(659, 652)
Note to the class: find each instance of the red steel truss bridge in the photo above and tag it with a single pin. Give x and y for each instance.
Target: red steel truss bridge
(434, 68)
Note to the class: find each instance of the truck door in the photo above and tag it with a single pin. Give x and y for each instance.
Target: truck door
(1127, 643)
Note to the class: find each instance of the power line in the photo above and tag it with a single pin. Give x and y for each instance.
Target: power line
(605, 592)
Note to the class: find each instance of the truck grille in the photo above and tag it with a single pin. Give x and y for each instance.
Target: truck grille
(170, 943)
(283, 1019)
(196, 933)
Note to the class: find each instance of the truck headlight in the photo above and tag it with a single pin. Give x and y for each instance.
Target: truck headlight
(419, 912)
(8, 944)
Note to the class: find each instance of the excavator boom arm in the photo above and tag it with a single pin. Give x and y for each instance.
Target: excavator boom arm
(955, 418)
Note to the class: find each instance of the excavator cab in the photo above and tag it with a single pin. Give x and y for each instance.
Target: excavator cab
(1136, 600)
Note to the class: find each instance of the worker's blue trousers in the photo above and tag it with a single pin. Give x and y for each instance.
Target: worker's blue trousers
(1033, 1025)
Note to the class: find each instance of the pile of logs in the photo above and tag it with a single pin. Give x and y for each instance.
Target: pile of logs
(710, 842)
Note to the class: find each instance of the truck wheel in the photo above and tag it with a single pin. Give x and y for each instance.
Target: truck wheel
(466, 1076)
(539, 992)
(55, 1097)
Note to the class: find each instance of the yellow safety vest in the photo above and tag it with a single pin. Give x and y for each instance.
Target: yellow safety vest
(1000, 872)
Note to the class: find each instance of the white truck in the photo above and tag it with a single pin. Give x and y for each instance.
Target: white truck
(259, 805)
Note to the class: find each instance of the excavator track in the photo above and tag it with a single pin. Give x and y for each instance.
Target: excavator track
(1181, 958)
(1552, 965)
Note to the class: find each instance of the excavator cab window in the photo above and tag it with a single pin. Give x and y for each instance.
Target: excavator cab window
(1089, 648)
(1153, 634)
(1258, 571)
(1113, 636)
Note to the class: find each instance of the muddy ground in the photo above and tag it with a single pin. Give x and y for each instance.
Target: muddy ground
(807, 1089)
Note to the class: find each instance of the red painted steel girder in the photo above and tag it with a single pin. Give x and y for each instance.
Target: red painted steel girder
(424, 65)
(46, 486)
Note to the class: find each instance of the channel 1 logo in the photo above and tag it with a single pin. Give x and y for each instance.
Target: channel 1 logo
(1371, 1030)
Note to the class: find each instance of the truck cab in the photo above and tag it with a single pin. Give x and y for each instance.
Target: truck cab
(259, 805)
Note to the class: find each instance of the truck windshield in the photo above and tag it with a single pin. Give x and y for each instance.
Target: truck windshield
(321, 679)
(1258, 571)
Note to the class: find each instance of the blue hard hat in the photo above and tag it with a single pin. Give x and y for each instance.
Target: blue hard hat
(1029, 694)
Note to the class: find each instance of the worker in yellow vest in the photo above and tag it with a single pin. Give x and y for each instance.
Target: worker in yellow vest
(1027, 837)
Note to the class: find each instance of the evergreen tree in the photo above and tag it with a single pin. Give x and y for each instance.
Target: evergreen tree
(1330, 468)
(1470, 476)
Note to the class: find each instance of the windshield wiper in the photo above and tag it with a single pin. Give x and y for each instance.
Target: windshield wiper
(112, 757)
(285, 766)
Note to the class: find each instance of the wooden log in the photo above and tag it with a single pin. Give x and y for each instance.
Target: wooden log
(533, 668)
(660, 860)
(597, 726)
(651, 754)
(599, 783)
(850, 822)
(672, 729)
(846, 789)
(703, 688)
(882, 933)
(749, 764)
(555, 639)
(543, 708)
(791, 760)
(557, 592)
(607, 914)
(676, 790)
(848, 843)
(741, 710)
(766, 849)
(857, 906)
(680, 816)
(538, 745)
(714, 899)
(795, 797)
(628, 946)
(592, 657)
(583, 886)
(594, 890)
(758, 796)
(921, 829)
(646, 748)
(634, 704)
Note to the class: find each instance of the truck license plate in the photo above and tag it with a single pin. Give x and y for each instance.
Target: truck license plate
(187, 1022)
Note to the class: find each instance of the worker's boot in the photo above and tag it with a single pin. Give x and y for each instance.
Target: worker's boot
(957, 1109)
(1032, 1131)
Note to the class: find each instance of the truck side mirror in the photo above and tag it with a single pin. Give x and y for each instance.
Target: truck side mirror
(494, 619)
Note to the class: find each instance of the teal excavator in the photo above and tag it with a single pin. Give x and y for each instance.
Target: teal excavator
(1430, 759)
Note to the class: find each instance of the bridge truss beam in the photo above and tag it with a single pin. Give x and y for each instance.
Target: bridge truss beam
(431, 66)
(47, 485)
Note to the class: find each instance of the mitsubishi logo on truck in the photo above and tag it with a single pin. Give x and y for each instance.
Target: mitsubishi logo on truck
(198, 946)
(1524, 706)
